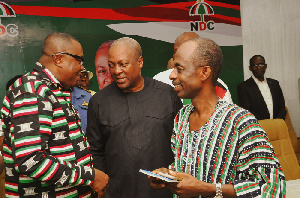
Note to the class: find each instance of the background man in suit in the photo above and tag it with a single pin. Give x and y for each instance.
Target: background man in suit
(260, 95)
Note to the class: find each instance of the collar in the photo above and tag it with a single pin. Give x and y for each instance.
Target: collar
(79, 92)
(48, 77)
(257, 81)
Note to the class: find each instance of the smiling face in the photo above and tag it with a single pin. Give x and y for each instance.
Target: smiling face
(185, 76)
(125, 68)
(102, 70)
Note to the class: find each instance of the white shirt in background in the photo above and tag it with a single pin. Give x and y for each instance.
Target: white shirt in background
(266, 93)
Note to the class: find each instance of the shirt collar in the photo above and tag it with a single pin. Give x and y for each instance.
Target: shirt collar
(48, 76)
(257, 81)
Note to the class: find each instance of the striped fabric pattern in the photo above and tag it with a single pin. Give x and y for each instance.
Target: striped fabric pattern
(231, 148)
(44, 155)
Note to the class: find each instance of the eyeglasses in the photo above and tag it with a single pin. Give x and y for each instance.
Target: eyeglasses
(258, 65)
(78, 58)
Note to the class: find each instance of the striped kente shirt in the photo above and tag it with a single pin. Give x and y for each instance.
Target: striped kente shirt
(230, 148)
(44, 150)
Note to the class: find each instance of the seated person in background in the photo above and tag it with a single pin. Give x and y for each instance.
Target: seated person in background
(262, 96)
(219, 148)
(221, 88)
(81, 96)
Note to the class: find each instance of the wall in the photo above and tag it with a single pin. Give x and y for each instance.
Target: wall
(272, 28)
(153, 24)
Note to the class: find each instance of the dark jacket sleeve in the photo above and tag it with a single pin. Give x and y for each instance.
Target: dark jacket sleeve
(281, 113)
(94, 137)
(243, 97)
(178, 104)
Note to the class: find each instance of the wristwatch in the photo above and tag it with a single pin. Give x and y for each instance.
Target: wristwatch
(218, 191)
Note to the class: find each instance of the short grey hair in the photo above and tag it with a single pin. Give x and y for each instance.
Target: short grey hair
(131, 43)
(208, 53)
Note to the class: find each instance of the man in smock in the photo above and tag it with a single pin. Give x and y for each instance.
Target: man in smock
(220, 149)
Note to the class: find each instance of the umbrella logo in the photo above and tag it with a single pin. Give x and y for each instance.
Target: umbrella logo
(6, 10)
(10, 29)
(201, 8)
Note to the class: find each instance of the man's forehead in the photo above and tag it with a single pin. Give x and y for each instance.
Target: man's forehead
(74, 48)
(102, 52)
(186, 49)
(120, 51)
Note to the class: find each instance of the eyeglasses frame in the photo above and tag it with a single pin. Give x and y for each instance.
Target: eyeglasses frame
(78, 58)
(260, 65)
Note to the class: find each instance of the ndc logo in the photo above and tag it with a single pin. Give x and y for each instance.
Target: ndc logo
(201, 8)
(10, 29)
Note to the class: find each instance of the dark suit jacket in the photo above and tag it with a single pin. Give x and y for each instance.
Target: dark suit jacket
(250, 98)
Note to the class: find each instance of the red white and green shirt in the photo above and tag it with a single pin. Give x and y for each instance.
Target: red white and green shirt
(44, 149)
(230, 148)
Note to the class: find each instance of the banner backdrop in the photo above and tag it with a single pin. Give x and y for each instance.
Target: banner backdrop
(155, 24)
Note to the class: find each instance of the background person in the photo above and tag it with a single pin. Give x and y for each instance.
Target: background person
(102, 70)
(80, 97)
(84, 80)
(130, 124)
(262, 96)
(221, 88)
(45, 153)
(220, 149)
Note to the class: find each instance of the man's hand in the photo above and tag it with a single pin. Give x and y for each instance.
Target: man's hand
(155, 182)
(100, 184)
(188, 187)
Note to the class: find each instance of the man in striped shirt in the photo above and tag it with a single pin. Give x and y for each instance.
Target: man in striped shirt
(220, 149)
(45, 151)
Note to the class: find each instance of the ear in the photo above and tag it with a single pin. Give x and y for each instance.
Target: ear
(266, 66)
(206, 73)
(250, 68)
(57, 59)
(141, 62)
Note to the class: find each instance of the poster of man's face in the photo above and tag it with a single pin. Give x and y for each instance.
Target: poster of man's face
(102, 70)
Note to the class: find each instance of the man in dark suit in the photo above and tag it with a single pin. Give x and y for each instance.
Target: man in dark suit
(261, 96)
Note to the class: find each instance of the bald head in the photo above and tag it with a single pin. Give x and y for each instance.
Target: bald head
(57, 42)
(131, 44)
(183, 38)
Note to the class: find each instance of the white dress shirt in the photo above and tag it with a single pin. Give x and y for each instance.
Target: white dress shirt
(266, 93)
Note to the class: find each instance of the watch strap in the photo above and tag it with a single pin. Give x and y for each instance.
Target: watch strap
(218, 191)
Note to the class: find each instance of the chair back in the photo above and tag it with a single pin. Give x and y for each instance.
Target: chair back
(292, 134)
(277, 132)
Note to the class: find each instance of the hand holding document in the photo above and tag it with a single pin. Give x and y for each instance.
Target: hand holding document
(162, 176)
